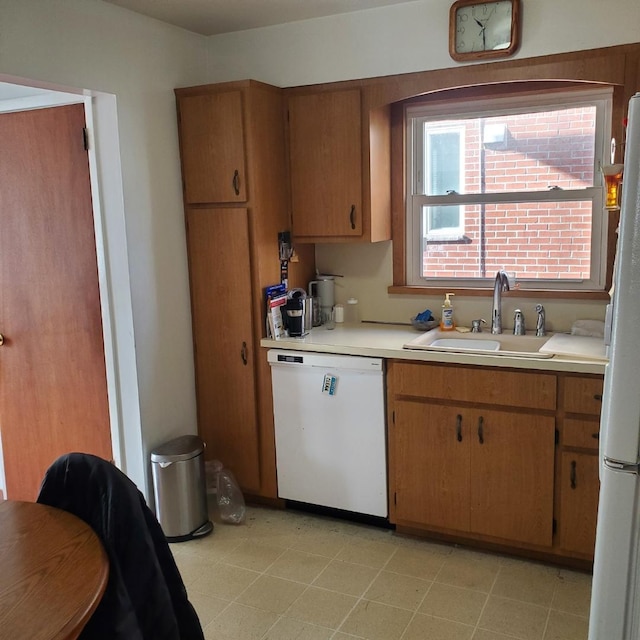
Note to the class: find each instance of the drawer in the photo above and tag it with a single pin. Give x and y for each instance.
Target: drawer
(478, 385)
(582, 395)
(583, 434)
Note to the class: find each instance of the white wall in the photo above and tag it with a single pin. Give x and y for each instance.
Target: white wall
(406, 38)
(401, 39)
(135, 63)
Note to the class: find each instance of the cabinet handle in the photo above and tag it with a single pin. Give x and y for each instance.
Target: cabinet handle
(352, 216)
(481, 430)
(573, 474)
(459, 428)
(597, 396)
(243, 353)
(236, 182)
(596, 436)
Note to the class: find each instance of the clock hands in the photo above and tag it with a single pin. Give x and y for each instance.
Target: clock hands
(483, 26)
(482, 31)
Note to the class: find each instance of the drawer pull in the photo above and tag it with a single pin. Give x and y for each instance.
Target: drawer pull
(236, 182)
(481, 430)
(459, 428)
(597, 396)
(352, 216)
(596, 436)
(573, 474)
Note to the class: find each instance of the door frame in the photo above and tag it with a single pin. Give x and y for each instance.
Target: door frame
(113, 267)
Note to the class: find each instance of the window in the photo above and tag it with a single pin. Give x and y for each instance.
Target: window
(508, 183)
(444, 172)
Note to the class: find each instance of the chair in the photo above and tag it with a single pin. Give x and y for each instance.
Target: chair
(145, 598)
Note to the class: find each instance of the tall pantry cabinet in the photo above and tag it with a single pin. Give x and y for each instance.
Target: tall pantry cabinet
(235, 199)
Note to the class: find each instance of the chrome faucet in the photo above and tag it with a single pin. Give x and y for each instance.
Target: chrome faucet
(501, 284)
(541, 330)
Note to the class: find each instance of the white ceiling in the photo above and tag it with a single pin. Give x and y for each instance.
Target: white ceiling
(211, 17)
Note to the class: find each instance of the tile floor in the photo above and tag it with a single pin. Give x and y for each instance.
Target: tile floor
(285, 575)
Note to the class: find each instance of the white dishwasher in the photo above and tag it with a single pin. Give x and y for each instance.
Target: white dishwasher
(330, 430)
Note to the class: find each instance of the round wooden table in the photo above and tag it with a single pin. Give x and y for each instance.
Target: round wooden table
(53, 572)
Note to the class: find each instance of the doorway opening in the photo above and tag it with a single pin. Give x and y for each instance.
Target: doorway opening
(18, 94)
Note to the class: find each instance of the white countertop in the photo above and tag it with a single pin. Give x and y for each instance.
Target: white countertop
(386, 341)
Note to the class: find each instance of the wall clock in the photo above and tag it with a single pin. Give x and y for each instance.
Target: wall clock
(480, 29)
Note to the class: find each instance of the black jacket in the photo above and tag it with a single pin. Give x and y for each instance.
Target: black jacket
(145, 598)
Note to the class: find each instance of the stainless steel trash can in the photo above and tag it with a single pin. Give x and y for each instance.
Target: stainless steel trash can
(180, 490)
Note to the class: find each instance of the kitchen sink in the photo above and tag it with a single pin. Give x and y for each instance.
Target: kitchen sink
(503, 344)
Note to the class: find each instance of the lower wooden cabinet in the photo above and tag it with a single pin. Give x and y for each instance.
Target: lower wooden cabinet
(501, 456)
(579, 489)
(475, 471)
(221, 298)
(578, 480)
(432, 466)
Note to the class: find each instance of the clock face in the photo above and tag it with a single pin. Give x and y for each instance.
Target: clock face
(484, 26)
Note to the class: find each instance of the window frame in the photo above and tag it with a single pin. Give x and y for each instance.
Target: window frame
(420, 112)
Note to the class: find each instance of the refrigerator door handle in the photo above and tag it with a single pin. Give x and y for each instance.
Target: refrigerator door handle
(618, 465)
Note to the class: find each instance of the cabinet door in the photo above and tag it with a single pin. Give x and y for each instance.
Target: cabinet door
(218, 241)
(581, 433)
(512, 463)
(212, 148)
(582, 394)
(325, 151)
(432, 465)
(578, 502)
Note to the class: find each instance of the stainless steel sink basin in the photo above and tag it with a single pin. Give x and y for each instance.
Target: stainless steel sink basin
(503, 344)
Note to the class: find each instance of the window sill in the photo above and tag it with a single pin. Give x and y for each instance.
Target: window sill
(443, 239)
(566, 294)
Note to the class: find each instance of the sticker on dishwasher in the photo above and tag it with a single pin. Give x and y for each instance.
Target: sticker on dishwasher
(329, 384)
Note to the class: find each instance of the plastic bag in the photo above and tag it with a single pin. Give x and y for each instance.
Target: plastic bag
(211, 470)
(230, 499)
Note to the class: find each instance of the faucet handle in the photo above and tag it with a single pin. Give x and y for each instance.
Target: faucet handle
(518, 323)
(476, 325)
(541, 329)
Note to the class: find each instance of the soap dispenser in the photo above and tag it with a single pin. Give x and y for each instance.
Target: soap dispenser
(446, 323)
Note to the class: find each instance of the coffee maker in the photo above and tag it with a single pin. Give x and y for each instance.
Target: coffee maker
(298, 313)
(323, 289)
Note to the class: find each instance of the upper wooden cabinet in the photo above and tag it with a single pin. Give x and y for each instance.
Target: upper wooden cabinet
(336, 149)
(326, 163)
(213, 151)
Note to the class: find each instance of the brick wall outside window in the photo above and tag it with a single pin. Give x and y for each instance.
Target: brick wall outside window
(536, 240)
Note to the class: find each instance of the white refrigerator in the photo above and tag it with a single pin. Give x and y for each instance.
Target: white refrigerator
(615, 598)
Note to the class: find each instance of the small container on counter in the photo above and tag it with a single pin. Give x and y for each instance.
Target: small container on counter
(352, 311)
(338, 313)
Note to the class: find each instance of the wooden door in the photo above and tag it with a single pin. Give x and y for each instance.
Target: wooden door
(212, 148)
(325, 152)
(432, 465)
(53, 391)
(512, 463)
(222, 303)
(579, 493)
